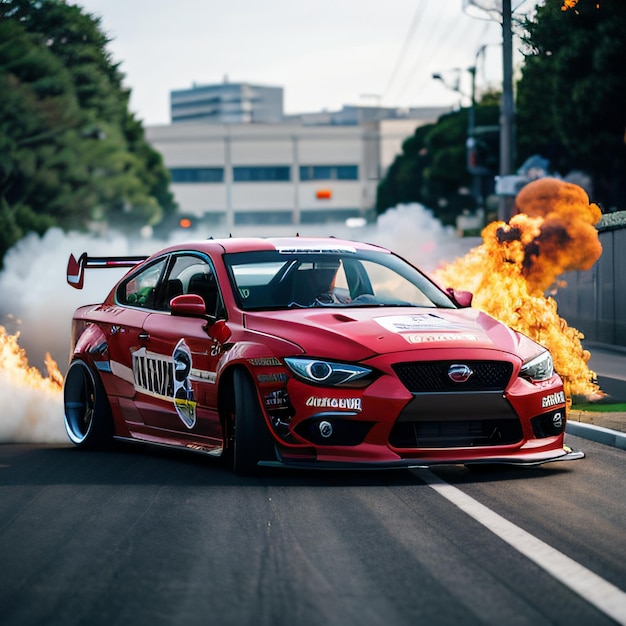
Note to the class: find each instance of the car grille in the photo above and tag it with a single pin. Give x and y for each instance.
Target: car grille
(455, 434)
(456, 419)
(432, 376)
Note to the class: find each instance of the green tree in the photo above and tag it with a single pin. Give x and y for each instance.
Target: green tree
(71, 153)
(404, 180)
(432, 168)
(571, 99)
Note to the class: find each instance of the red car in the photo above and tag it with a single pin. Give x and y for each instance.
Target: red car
(305, 352)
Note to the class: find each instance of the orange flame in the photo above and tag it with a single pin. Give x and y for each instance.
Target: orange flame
(15, 368)
(571, 4)
(517, 262)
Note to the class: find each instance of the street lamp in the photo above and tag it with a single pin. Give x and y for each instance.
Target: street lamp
(456, 84)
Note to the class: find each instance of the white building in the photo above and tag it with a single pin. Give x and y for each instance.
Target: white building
(306, 169)
(227, 103)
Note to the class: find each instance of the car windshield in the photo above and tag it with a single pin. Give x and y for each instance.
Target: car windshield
(281, 279)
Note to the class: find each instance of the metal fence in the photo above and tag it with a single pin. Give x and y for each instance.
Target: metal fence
(594, 301)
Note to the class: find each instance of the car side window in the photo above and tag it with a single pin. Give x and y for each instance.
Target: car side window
(140, 289)
(190, 274)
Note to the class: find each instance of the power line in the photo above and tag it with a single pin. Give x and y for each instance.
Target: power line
(453, 34)
(417, 16)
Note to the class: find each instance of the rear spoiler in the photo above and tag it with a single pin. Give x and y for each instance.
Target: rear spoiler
(76, 269)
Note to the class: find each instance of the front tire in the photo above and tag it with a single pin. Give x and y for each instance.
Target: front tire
(250, 439)
(88, 421)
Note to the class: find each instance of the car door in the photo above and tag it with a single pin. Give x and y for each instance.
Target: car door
(134, 303)
(176, 370)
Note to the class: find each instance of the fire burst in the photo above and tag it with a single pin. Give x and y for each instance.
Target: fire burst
(518, 262)
(15, 368)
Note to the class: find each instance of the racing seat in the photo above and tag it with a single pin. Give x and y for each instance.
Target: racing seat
(204, 285)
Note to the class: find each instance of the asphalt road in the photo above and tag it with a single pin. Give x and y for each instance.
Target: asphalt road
(148, 536)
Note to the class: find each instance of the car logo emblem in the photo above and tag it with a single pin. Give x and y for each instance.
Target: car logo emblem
(459, 373)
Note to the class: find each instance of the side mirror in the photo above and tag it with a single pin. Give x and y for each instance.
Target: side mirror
(462, 298)
(188, 305)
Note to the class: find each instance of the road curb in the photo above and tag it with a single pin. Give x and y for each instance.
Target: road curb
(597, 433)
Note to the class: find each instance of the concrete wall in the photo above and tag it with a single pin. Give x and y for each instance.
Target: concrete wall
(594, 301)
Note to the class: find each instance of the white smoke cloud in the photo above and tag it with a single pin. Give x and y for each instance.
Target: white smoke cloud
(411, 231)
(30, 414)
(37, 302)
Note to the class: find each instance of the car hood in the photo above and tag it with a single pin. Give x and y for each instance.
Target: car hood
(359, 333)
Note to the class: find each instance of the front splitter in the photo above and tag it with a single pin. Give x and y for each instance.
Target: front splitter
(524, 461)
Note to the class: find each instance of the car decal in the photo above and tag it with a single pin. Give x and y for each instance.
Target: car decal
(183, 391)
(435, 337)
(122, 371)
(276, 399)
(203, 376)
(315, 249)
(553, 399)
(153, 374)
(272, 377)
(350, 404)
(264, 361)
(408, 323)
(167, 378)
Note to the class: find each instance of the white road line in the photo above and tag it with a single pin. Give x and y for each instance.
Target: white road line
(602, 594)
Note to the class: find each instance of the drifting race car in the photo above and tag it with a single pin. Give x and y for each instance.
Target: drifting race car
(305, 352)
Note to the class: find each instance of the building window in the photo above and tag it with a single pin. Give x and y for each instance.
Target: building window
(197, 174)
(261, 174)
(329, 172)
(277, 218)
(329, 215)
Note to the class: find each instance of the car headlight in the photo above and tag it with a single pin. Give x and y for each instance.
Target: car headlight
(538, 368)
(329, 373)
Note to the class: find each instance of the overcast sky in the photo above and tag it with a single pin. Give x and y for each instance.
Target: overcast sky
(324, 53)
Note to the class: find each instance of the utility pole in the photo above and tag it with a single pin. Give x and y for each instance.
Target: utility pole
(507, 107)
(470, 148)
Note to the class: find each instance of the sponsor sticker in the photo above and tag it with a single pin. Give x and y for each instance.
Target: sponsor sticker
(183, 392)
(553, 399)
(272, 377)
(347, 404)
(315, 249)
(439, 337)
(276, 399)
(153, 374)
(264, 361)
(209, 377)
(557, 420)
(167, 378)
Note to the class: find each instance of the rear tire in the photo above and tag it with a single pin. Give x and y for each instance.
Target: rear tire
(88, 421)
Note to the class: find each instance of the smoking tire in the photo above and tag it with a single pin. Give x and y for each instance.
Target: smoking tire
(87, 413)
(250, 437)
